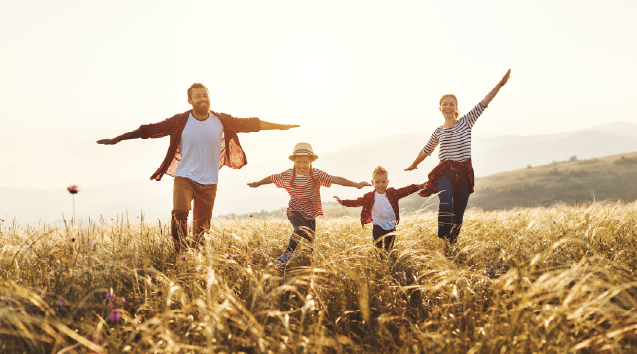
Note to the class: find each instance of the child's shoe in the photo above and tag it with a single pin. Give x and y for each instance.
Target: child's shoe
(284, 258)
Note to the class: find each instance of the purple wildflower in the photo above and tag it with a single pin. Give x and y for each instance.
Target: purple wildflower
(115, 316)
(90, 338)
(108, 296)
(122, 301)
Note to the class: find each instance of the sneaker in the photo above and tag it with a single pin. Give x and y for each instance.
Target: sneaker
(284, 258)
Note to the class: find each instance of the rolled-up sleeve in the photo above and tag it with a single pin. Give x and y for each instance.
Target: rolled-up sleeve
(157, 130)
(431, 145)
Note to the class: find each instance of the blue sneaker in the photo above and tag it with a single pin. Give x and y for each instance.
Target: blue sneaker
(284, 258)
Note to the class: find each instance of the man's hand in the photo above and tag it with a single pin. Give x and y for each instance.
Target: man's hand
(254, 184)
(288, 126)
(360, 185)
(421, 186)
(274, 126)
(338, 200)
(108, 141)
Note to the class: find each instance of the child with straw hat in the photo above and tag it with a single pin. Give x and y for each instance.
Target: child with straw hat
(303, 183)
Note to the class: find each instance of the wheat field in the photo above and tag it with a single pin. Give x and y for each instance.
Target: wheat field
(558, 279)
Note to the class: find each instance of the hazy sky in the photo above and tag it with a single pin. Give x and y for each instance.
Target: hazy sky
(73, 72)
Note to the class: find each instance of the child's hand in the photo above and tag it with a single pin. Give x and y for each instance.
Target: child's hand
(421, 186)
(362, 184)
(254, 184)
(338, 200)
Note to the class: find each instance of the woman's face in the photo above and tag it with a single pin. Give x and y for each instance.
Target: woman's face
(448, 107)
(302, 164)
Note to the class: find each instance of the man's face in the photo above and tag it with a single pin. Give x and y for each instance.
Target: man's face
(200, 101)
(380, 183)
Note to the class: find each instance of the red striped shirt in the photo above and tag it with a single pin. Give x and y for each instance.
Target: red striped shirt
(305, 195)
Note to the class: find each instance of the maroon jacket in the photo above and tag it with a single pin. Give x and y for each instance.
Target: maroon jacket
(464, 167)
(367, 202)
(232, 154)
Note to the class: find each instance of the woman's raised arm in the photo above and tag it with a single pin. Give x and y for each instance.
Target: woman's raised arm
(487, 99)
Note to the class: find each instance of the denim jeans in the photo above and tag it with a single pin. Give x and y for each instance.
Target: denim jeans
(453, 202)
(302, 228)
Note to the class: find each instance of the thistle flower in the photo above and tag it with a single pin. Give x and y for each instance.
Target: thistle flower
(73, 190)
(229, 255)
(183, 258)
(115, 317)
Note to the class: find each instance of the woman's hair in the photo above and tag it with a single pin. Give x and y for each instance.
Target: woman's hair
(314, 182)
(452, 96)
(380, 171)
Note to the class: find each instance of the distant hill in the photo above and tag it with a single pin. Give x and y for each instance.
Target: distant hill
(492, 155)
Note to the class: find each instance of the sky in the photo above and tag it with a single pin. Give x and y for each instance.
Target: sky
(73, 72)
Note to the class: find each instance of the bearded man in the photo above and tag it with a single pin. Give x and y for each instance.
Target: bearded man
(201, 142)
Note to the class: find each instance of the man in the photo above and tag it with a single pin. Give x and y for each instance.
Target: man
(201, 142)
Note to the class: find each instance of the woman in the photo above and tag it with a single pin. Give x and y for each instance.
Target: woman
(453, 177)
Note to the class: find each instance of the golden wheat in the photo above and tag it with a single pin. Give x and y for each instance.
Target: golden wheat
(527, 280)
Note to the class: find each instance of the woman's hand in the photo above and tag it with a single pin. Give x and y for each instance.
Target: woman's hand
(412, 167)
(360, 185)
(487, 99)
(505, 78)
(254, 184)
(338, 200)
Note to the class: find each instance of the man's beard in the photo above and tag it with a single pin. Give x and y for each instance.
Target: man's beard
(202, 108)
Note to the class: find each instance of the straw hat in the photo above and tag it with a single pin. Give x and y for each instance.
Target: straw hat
(303, 149)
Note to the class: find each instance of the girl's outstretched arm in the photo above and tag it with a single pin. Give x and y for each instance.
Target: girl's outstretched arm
(266, 180)
(487, 99)
(421, 157)
(347, 183)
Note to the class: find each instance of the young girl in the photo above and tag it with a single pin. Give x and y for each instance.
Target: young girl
(453, 177)
(303, 183)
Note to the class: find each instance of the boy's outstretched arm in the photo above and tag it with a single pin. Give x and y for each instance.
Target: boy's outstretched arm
(350, 202)
(347, 183)
(266, 180)
(410, 189)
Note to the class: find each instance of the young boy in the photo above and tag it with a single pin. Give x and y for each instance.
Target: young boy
(381, 207)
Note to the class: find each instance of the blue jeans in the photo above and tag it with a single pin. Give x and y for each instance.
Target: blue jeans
(302, 228)
(453, 202)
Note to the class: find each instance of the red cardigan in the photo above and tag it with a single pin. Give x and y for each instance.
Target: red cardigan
(367, 202)
(232, 155)
(464, 167)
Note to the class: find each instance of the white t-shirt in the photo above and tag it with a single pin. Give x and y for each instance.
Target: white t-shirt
(200, 148)
(382, 213)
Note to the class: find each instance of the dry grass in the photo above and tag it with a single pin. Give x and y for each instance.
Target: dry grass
(529, 280)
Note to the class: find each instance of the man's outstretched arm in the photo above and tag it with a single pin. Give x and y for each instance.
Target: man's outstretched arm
(135, 134)
(273, 126)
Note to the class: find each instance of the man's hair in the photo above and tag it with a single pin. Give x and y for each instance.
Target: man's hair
(380, 171)
(192, 87)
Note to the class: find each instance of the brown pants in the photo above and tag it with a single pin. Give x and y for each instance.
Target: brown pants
(184, 191)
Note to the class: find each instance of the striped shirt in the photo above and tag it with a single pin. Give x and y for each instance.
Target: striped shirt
(455, 142)
(305, 195)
